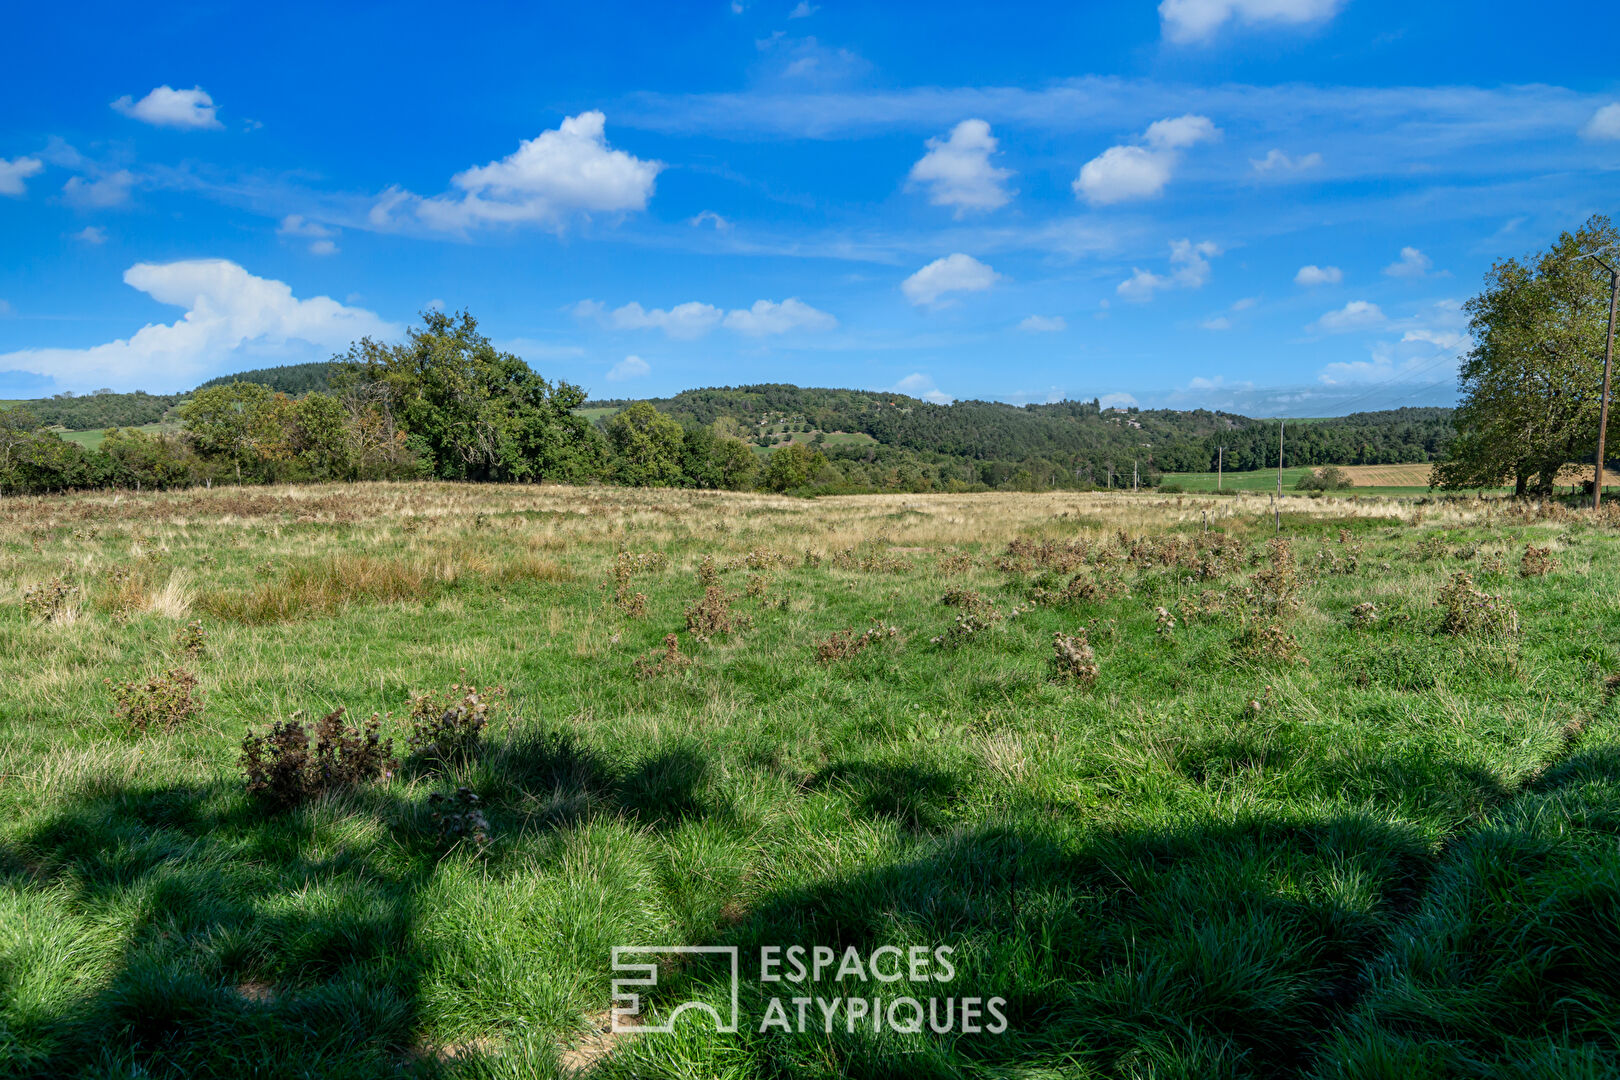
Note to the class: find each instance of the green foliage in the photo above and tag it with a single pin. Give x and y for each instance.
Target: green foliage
(293, 379)
(244, 429)
(647, 447)
(1327, 478)
(102, 409)
(476, 412)
(164, 701)
(1531, 383)
(148, 460)
(793, 467)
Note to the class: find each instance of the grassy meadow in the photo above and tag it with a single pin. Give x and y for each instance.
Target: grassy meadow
(1318, 808)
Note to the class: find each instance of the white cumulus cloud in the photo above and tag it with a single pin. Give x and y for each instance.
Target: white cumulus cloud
(168, 107)
(1318, 275)
(918, 385)
(15, 171)
(631, 367)
(1043, 324)
(769, 317)
(230, 315)
(1412, 264)
(951, 274)
(1126, 172)
(1605, 123)
(91, 234)
(1194, 21)
(571, 170)
(1189, 270)
(1356, 315)
(684, 321)
(957, 170)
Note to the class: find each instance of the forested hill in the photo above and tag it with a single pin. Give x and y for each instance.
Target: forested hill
(1068, 435)
(292, 379)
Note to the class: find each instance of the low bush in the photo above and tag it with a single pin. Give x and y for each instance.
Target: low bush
(164, 701)
(447, 729)
(671, 661)
(846, 644)
(1537, 562)
(1469, 610)
(283, 769)
(459, 818)
(1073, 659)
(191, 640)
(712, 615)
(48, 599)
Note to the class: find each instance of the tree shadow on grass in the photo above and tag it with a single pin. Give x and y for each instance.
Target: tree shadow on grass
(1214, 948)
(215, 939)
(915, 796)
(234, 949)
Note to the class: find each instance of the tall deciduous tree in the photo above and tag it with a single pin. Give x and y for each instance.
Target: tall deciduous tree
(478, 413)
(1531, 383)
(646, 446)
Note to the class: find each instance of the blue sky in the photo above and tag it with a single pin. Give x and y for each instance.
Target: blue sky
(1274, 206)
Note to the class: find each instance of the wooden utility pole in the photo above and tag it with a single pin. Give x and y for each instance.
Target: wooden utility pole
(1220, 463)
(1133, 474)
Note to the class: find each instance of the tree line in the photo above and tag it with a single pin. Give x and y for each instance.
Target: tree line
(445, 403)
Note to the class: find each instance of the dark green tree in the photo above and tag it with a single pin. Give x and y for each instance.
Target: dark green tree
(1531, 383)
(477, 412)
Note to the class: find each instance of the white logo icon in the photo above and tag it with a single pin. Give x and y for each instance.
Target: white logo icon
(624, 1014)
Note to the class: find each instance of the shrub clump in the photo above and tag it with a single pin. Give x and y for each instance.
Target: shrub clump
(1073, 659)
(165, 700)
(460, 817)
(712, 615)
(1472, 611)
(448, 729)
(1537, 562)
(48, 599)
(1363, 614)
(191, 640)
(846, 644)
(1276, 585)
(1269, 641)
(283, 769)
(669, 662)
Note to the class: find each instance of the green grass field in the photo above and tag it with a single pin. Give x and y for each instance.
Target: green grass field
(1280, 833)
(1385, 480)
(91, 440)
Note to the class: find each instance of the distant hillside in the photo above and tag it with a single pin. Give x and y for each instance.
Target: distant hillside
(103, 409)
(1076, 438)
(288, 378)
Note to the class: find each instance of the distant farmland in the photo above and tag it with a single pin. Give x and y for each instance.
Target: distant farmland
(1382, 479)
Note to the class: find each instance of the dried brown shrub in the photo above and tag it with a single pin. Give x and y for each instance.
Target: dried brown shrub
(283, 769)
